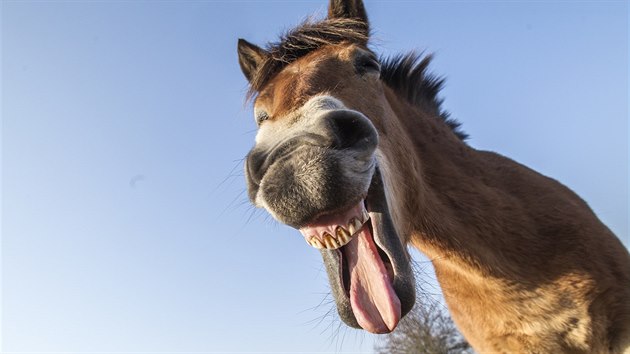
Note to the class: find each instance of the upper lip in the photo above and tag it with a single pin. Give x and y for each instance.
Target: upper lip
(259, 160)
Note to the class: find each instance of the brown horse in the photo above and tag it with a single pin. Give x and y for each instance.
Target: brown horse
(357, 154)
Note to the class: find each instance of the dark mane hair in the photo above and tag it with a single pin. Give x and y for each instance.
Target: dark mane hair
(406, 74)
(409, 76)
(304, 39)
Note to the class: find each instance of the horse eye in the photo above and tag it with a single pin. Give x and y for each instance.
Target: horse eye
(261, 116)
(367, 63)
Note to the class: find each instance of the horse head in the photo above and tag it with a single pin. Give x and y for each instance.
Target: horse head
(317, 164)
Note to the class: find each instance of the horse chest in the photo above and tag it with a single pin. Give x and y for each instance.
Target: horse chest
(504, 318)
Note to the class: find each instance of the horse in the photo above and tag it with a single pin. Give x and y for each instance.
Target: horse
(356, 152)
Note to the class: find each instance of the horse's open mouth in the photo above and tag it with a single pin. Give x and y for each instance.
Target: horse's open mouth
(366, 265)
(367, 273)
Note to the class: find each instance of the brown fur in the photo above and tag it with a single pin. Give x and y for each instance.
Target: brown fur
(524, 264)
(305, 39)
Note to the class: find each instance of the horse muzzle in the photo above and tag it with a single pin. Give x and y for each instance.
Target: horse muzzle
(318, 165)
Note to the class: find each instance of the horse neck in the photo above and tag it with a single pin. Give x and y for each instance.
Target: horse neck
(447, 195)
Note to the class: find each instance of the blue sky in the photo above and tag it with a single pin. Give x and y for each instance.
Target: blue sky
(125, 226)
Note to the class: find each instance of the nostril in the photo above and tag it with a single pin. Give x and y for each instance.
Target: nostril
(254, 162)
(352, 130)
(259, 160)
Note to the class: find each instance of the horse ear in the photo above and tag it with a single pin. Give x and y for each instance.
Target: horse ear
(250, 57)
(347, 9)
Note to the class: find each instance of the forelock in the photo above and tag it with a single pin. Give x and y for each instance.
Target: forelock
(304, 39)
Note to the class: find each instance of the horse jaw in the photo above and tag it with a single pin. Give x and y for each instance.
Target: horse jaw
(371, 277)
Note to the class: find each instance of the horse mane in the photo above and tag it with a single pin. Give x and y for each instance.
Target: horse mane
(406, 74)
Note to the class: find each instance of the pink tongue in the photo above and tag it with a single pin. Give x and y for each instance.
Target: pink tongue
(374, 302)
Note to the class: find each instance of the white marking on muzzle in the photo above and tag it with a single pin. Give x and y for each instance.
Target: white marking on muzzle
(322, 103)
(297, 122)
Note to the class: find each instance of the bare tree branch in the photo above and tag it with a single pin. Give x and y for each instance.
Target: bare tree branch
(427, 329)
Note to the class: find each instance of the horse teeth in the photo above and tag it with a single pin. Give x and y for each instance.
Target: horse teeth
(352, 226)
(343, 236)
(313, 241)
(330, 242)
(365, 215)
(357, 224)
